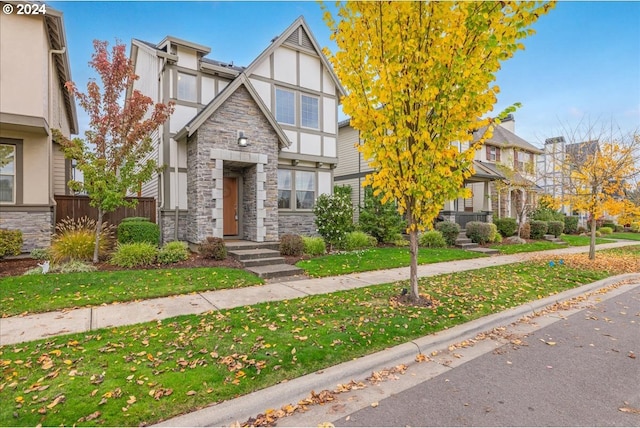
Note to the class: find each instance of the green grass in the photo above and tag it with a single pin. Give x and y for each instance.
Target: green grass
(42, 293)
(579, 241)
(526, 248)
(625, 235)
(378, 258)
(148, 372)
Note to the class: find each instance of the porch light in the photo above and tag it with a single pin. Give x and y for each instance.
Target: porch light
(242, 140)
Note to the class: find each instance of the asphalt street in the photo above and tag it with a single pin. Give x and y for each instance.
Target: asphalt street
(583, 370)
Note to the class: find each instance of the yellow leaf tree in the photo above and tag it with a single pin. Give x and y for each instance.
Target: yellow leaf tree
(599, 174)
(419, 78)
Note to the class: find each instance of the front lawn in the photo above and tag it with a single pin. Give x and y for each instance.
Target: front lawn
(50, 292)
(378, 258)
(579, 241)
(526, 248)
(625, 235)
(142, 374)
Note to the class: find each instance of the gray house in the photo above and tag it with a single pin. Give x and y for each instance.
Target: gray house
(248, 149)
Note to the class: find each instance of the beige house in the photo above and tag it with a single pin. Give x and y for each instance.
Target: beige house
(34, 66)
(248, 149)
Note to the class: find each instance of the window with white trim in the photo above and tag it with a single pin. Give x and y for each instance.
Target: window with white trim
(309, 116)
(187, 87)
(296, 189)
(285, 106)
(7, 173)
(284, 188)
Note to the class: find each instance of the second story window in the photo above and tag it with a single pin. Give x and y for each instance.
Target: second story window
(285, 106)
(187, 85)
(309, 112)
(493, 154)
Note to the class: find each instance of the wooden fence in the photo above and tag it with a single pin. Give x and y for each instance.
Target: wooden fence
(77, 206)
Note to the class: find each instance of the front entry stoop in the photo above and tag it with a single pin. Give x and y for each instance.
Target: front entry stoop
(465, 243)
(262, 259)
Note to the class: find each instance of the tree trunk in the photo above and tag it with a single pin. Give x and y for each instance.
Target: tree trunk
(98, 229)
(592, 241)
(413, 269)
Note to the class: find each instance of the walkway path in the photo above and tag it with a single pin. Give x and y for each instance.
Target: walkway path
(32, 327)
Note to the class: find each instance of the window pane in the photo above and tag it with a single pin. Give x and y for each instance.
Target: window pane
(309, 112)
(187, 87)
(284, 188)
(285, 107)
(284, 198)
(305, 180)
(6, 188)
(304, 200)
(7, 158)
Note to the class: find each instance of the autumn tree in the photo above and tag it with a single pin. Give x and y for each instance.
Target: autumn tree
(115, 156)
(419, 77)
(597, 170)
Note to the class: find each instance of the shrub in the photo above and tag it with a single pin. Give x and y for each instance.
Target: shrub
(538, 229)
(571, 224)
(138, 231)
(635, 227)
(75, 240)
(543, 213)
(74, 266)
(382, 221)
(334, 217)
(525, 231)
(401, 242)
(480, 232)
(581, 229)
(10, 242)
(449, 230)
(494, 236)
(506, 226)
(598, 234)
(555, 228)
(432, 239)
(213, 248)
(606, 230)
(134, 254)
(173, 252)
(358, 240)
(609, 224)
(619, 228)
(314, 246)
(40, 254)
(291, 245)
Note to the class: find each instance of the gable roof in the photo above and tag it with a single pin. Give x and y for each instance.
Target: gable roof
(224, 95)
(310, 39)
(504, 138)
(578, 152)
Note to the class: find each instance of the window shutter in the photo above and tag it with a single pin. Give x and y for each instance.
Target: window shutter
(497, 154)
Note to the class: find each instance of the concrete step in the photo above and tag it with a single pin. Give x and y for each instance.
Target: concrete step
(253, 254)
(483, 250)
(463, 241)
(467, 246)
(275, 271)
(249, 245)
(263, 262)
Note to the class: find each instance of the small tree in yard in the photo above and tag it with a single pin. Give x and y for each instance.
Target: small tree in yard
(419, 80)
(115, 156)
(334, 216)
(379, 220)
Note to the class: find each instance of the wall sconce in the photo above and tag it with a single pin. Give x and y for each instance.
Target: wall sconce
(295, 162)
(242, 140)
(319, 164)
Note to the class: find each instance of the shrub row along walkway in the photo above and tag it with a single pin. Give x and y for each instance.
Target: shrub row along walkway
(38, 326)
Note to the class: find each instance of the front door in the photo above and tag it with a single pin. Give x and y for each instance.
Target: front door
(230, 206)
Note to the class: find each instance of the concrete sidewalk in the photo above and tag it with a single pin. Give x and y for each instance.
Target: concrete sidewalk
(38, 326)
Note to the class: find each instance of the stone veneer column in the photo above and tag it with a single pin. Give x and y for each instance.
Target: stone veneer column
(217, 195)
(261, 196)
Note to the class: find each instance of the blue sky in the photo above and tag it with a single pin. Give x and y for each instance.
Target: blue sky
(583, 63)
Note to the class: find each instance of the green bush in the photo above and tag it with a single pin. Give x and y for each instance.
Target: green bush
(606, 230)
(538, 229)
(314, 246)
(609, 224)
(555, 228)
(40, 254)
(138, 231)
(449, 230)
(571, 224)
(635, 226)
(619, 228)
(173, 252)
(382, 221)
(10, 242)
(134, 254)
(213, 248)
(75, 240)
(494, 235)
(334, 217)
(480, 232)
(358, 240)
(74, 266)
(525, 231)
(506, 226)
(291, 245)
(581, 229)
(543, 213)
(432, 239)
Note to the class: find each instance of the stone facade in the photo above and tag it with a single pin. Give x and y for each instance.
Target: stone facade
(300, 224)
(36, 227)
(213, 152)
(168, 224)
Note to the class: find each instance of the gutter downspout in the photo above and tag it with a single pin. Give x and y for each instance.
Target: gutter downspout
(52, 200)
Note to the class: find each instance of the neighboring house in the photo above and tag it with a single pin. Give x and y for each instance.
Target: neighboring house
(353, 168)
(248, 149)
(34, 66)
(516, 160)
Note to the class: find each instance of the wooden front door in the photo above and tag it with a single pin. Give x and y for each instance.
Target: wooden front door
(230, 206)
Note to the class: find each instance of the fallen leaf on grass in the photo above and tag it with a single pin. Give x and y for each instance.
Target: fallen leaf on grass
(192, 392)
(90, 417)
(59, 399)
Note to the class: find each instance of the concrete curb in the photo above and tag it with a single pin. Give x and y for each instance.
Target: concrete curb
(245, 407)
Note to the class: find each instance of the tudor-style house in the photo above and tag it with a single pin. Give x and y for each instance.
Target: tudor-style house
(34, 66)
(248, 149)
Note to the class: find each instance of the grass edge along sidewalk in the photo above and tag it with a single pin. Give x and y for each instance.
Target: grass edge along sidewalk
(144, 373)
